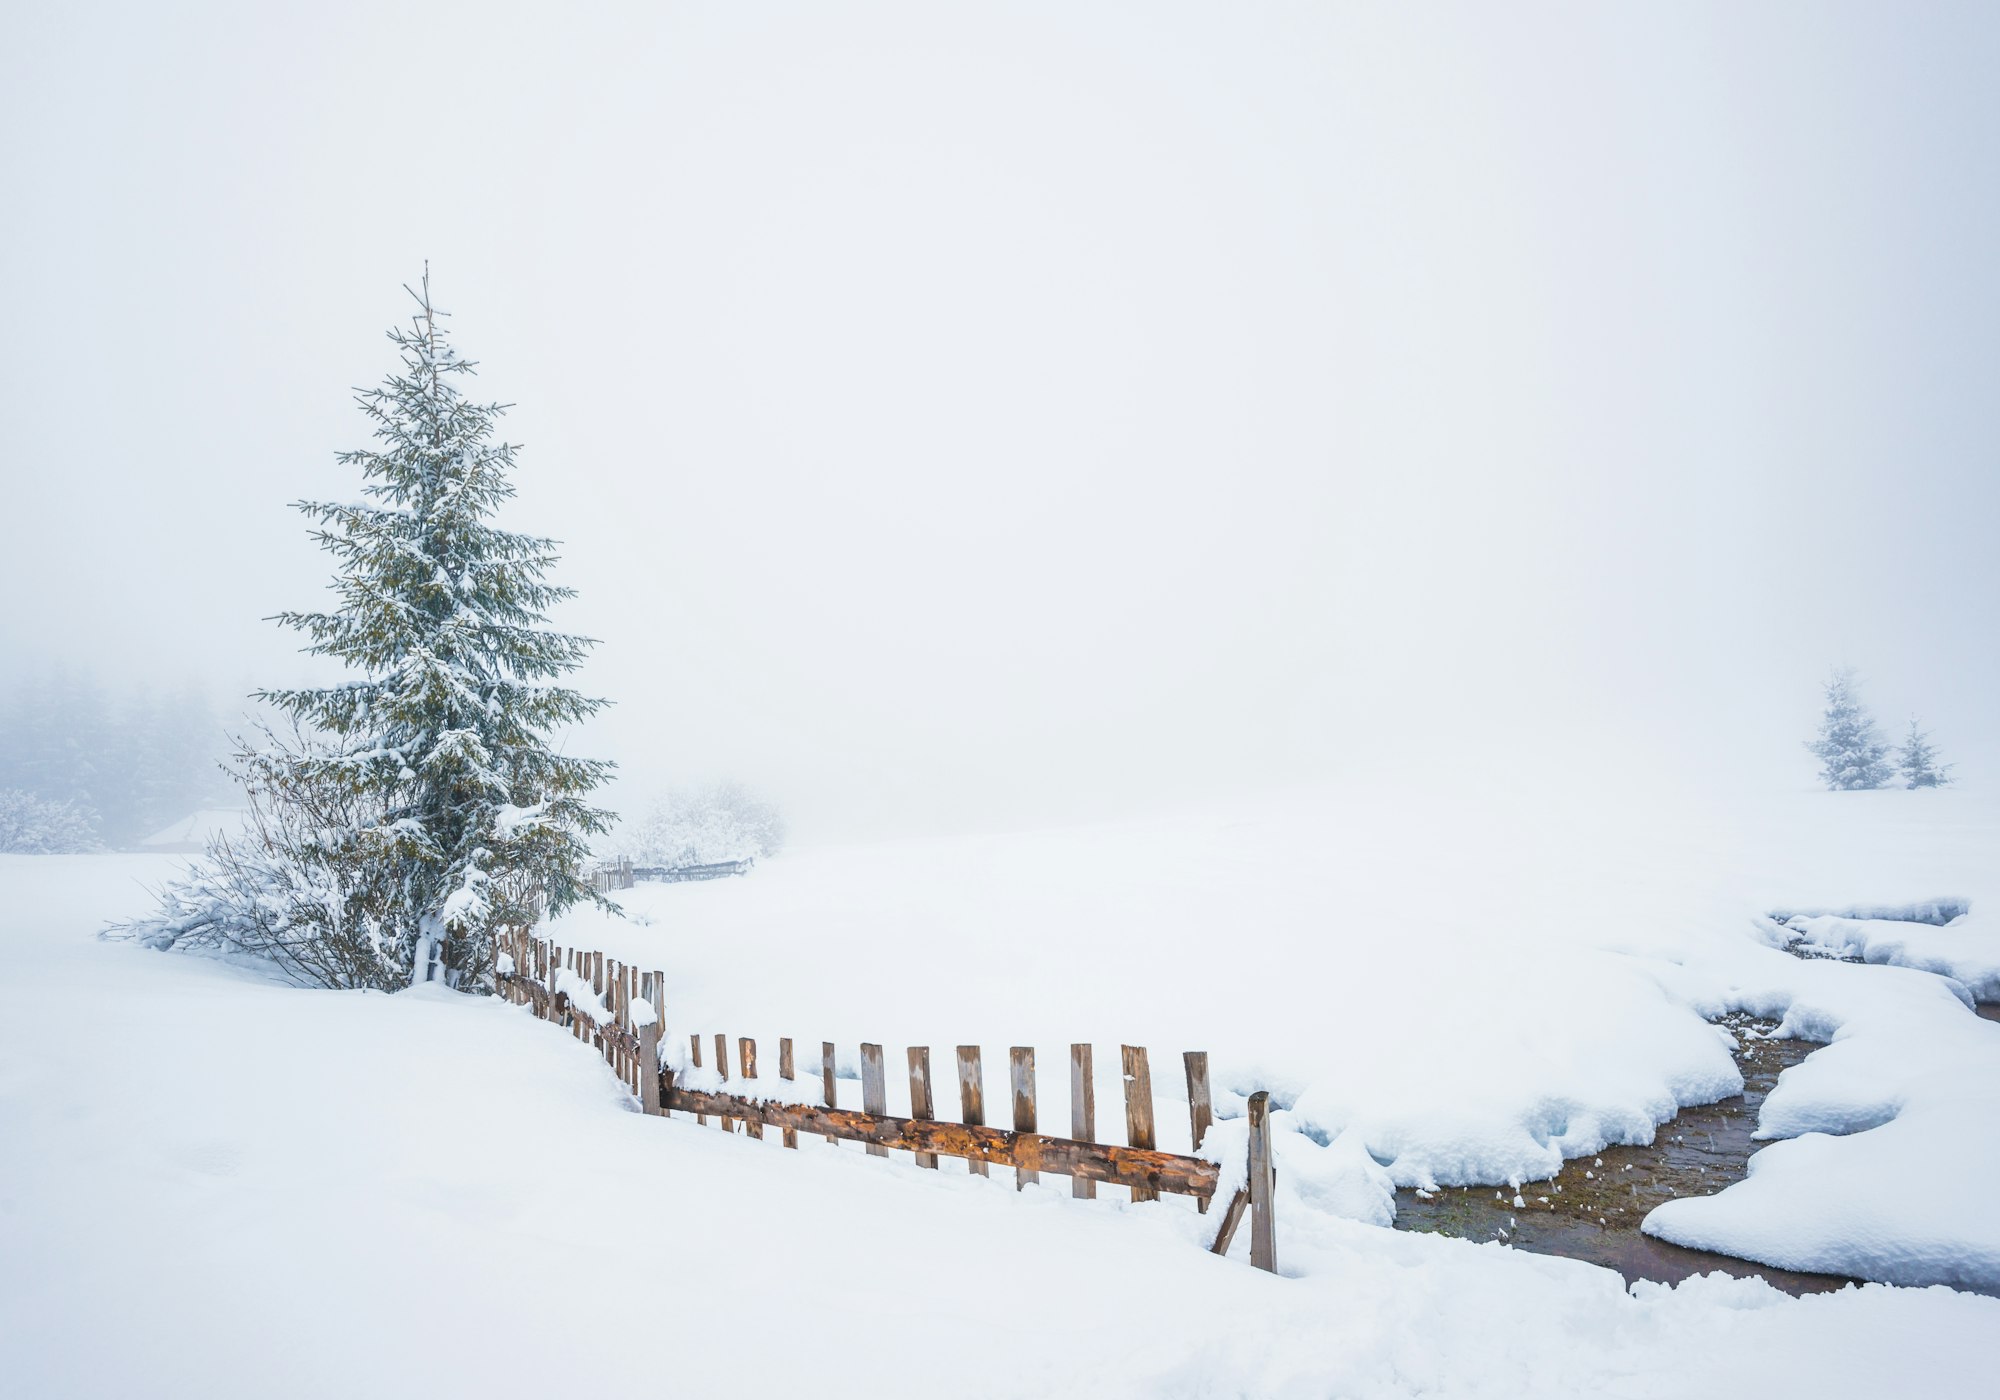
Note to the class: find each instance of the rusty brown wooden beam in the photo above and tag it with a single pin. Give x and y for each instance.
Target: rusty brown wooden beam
(1025, 1151)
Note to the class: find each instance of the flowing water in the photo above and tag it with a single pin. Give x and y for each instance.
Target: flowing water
(1592, 1208)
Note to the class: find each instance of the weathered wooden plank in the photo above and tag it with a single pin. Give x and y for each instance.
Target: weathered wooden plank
(649, 1067)
(746, 1061)
(1262, 1185)
(828, 1084)
(1120, 1166)
(1021, 1074)
(1201, 1108)
(1139, 1108)
(723, 1069)
(920, 1095)
(694, 1049)
(874, 1090)
(1231, 1218)
(785, 1071)
(1082, 1112)
(971, 1097)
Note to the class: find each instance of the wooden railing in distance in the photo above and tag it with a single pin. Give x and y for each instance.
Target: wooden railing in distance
(530, 974)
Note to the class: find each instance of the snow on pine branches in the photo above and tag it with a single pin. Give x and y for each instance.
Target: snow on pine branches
(1851, 753)
(1917, 760)
(454, 813)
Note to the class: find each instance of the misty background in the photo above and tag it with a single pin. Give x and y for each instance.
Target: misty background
(967, 418)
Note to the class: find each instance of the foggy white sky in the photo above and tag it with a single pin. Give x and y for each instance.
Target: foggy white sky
(961, 416)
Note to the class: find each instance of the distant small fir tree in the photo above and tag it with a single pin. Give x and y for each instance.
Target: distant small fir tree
(1851, 753)
(1916, 761)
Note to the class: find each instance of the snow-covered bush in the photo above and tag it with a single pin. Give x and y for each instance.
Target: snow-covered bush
(35, 826)
(1852, 755)
(704, 826)
(308, 885)
(1916, 761)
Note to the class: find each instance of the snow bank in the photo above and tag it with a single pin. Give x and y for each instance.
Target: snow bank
(1893, 1132)
(1967, 949)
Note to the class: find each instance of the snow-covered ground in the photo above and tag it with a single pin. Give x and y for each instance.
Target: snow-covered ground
(211, 1184)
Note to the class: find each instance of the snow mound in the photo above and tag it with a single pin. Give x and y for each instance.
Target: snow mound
(1967, 949)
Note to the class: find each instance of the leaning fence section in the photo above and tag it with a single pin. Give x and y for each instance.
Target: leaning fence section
(620, 1010)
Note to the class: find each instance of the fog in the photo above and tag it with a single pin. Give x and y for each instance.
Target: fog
(961, 419)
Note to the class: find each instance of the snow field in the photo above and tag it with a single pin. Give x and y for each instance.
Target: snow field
(1454, 989)
(244, 1189)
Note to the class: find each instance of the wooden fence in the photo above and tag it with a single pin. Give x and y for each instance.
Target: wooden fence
(612, 875)
(620, 1009)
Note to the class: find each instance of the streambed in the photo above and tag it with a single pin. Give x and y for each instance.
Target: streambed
(1592, 1208)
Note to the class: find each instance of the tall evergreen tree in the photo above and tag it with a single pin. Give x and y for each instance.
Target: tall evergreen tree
(1916, 761)
(444, 730)
(1852, 755)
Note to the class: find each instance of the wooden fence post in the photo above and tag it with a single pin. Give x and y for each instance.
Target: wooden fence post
(1021, 1065)
(971, 1097)
(1139, 1109)
(1201, 1110)
(874, 1090)
(1262, 1184)
(920, 1096)
(722, 1068)
(785, 1071)
(1082, 1112)
(694, 1054)
(746, 1061)
(649, 1069)
(827, 1081)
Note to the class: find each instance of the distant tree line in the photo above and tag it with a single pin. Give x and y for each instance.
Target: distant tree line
(83, 767)
(1853, 755)
(701, 826)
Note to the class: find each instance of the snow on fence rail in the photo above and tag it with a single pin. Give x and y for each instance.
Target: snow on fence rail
(619, 1010)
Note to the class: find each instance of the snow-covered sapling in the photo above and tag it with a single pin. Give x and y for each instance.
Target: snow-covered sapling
(1852, 755)
(1916, 761)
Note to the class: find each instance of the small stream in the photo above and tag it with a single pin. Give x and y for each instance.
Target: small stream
(1592, 1208)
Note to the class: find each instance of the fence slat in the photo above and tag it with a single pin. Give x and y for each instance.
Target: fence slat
(1201, 1110)
(746, 1061)
(1082, 1112)
(785, 1071)
(1231, 1218)
(1139, 1109)
(920, 1095)
(971, 1097)
(874, 1090)
(1262, 1186)
(649, 1068)
(826, 1077)
(1021, 1073)
(727, 1123)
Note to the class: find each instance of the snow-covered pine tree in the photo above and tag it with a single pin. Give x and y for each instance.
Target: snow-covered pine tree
(445, 730)
(1852, 755)
(1916, 760)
